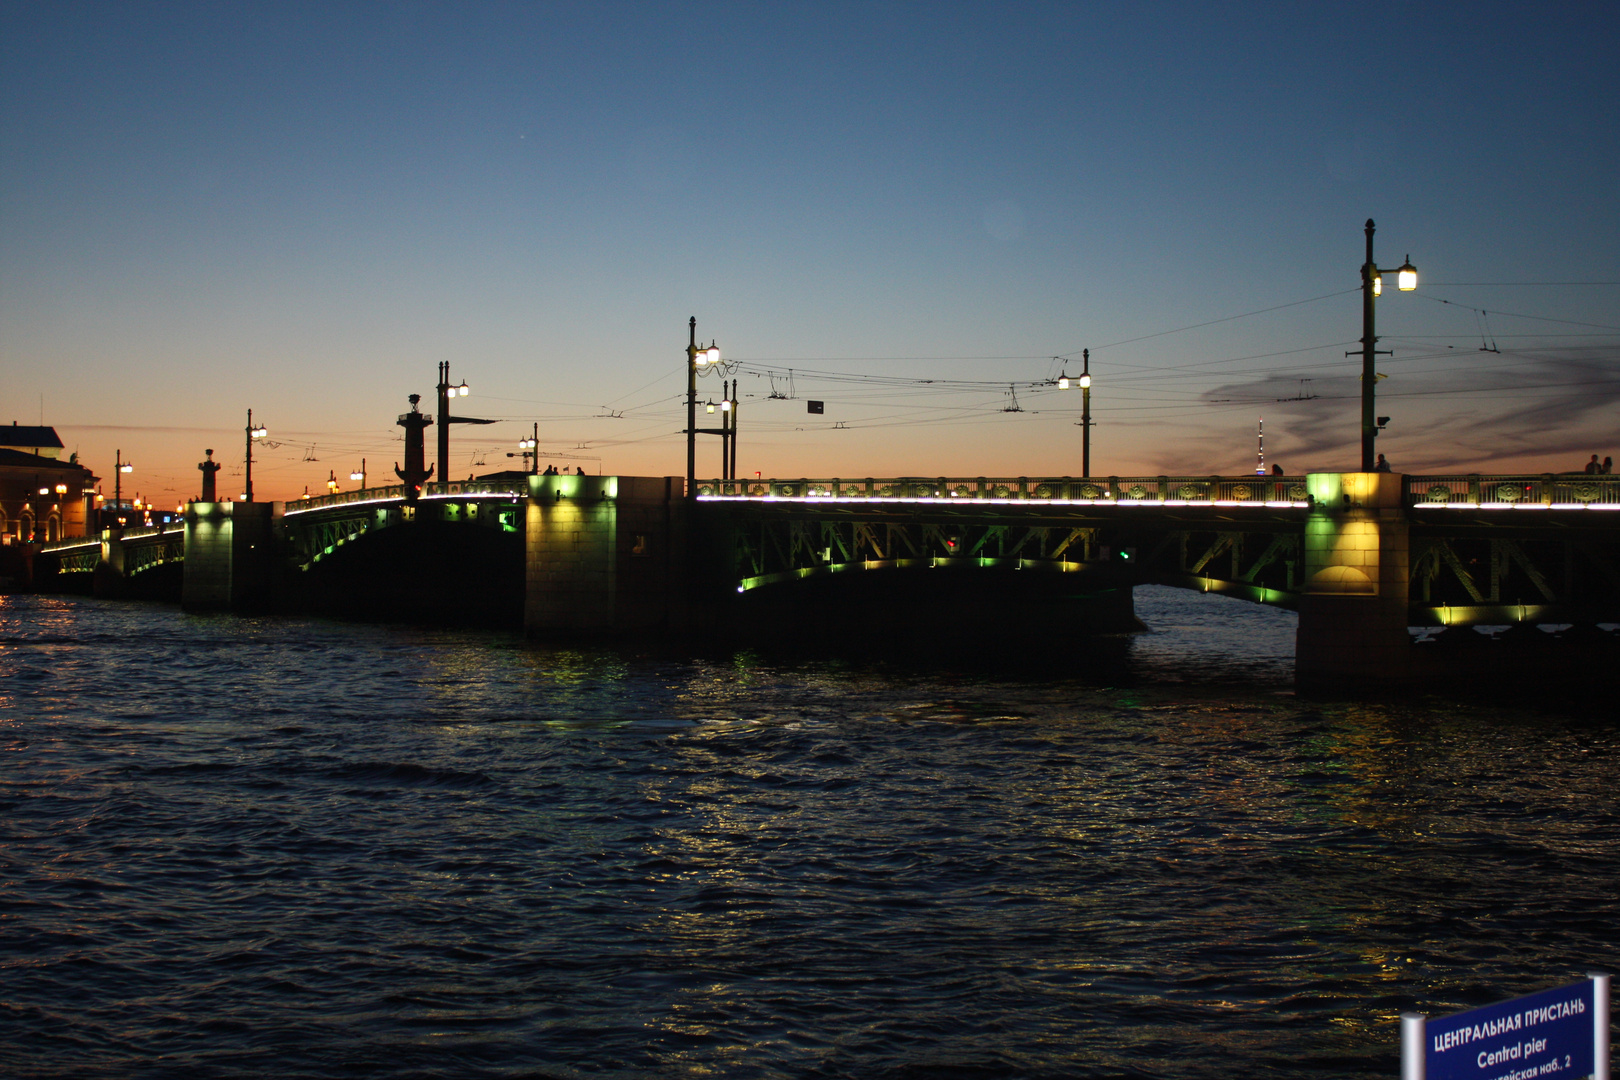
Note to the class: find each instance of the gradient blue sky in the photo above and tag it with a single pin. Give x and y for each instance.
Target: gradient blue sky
(301, 208)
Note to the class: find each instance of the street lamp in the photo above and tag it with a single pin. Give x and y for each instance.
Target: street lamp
(360, 474)
(120, 467)
(1064, 382)
(704, 360)
(531, 452)
(728, 439)
(252, 433)
(446, 392)
(1372, 286)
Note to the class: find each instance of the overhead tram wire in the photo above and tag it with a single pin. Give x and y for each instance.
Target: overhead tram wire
(1467, 392)
(1504, 337)
(869, 359)
(1134, 370)
(774, 368)
(1215, 322)
(1518, 315)
(952, 386)
(760, 370)
(767, 367)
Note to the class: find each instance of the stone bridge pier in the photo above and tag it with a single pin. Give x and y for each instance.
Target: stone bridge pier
(231, 550)
(605, 555)
(1352, 637)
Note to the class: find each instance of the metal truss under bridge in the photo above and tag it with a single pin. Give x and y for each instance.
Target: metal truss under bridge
(1484, 548)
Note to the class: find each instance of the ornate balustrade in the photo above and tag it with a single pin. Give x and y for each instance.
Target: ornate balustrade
(72, 543)
(1561, 491)
(459, 489)
(1097, 490)
(139, 532)
(1557, 491)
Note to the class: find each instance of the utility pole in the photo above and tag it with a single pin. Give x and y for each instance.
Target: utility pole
(1085, 415)
(709, 360)
(446, 392)
(252, 433)
(691, 407)
(1372, 284)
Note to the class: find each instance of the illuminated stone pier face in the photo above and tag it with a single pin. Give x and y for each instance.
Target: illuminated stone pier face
(600, 552)
(1352, 635)
(229, 555)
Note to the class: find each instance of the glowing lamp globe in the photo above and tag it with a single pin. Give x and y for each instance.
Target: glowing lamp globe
(1406, 276)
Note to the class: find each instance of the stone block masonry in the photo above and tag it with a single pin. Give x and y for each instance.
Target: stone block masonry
(601, 554)
(1352, 635)
(230, 555)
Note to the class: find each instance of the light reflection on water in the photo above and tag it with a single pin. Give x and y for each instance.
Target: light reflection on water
(240, 847)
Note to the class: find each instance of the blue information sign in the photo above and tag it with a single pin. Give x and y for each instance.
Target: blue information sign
(1545, 1034)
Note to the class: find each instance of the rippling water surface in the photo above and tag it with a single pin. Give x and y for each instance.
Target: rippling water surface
(233, 847)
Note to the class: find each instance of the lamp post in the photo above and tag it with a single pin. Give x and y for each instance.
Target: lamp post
(1372, 284)
(531, 449)
(252, 433)
(446, 392)
(728, 424)
(707, 360)
(360, 474)
(120, 467)
(1064, 382)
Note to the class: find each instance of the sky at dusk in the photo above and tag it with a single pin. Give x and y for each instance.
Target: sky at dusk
(919, 214)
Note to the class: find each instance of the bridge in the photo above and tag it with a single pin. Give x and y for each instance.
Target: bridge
(1484, 550)
(1361, 556)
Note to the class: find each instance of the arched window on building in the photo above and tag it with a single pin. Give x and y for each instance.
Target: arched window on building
(53, 527)
(25, 527)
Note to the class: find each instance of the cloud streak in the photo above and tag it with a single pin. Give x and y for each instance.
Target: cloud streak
(1529, 410)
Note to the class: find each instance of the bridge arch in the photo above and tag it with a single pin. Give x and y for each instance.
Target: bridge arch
(460, 563)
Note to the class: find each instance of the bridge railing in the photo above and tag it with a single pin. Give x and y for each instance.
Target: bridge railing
(1123, 490)
(1514, 491)
(387, 493)
(396, 492)
(137, 532)
(141, 531)
(72, 542)
(476, 487)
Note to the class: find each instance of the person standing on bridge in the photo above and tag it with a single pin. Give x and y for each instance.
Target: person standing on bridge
(1381, 465)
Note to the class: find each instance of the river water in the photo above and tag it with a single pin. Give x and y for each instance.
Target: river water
(239, 847)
